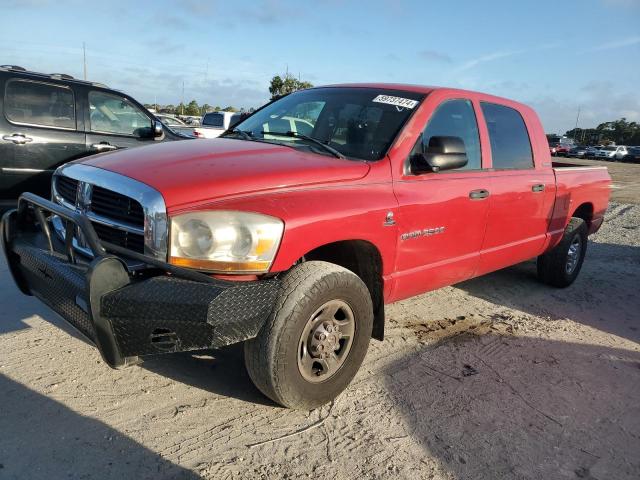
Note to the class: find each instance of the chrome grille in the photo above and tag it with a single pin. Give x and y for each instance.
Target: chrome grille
(67, 188)
(116, 206)
(123, 211)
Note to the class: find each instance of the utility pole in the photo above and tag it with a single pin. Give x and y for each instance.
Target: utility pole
(182, 103)
(575, 130)
(84, 60)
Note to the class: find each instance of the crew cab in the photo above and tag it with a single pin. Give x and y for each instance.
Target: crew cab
(47, 120)
(294, 242)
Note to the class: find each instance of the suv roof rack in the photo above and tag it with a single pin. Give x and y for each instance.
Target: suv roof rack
(55, 76)
(61, 76)
(15, 68)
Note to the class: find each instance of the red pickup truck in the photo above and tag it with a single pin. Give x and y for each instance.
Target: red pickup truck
(292, 231)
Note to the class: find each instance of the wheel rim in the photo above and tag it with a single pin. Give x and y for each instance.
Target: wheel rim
(326, 341)
(573, 255)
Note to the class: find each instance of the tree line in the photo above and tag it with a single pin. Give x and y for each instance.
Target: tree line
(619, 132)
(191, 109)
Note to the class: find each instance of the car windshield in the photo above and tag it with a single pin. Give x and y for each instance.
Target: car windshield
(360, 123)
(610, 149)
(171, 121)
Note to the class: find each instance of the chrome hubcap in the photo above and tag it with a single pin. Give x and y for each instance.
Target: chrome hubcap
(326, 341)
(573, 255)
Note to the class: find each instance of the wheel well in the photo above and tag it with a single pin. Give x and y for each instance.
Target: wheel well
(585, 212)
(363, 259)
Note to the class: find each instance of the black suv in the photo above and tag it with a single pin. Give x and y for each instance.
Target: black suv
(47, 120)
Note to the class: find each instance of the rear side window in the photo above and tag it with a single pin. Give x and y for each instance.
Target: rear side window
(37, 103)
(510, 144)
(213, 120)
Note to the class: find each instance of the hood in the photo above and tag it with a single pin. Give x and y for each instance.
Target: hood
(193, 171)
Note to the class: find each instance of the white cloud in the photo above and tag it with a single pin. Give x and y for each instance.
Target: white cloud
(626, 42)
(558, 114)
(485, 58)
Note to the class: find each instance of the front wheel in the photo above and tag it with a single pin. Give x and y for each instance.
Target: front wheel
(561, 265)
(316, 338)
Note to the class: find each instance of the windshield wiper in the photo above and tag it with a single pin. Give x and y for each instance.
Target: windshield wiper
(242, 133)
(315, 141)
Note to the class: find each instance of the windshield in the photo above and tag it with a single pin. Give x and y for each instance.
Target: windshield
(171, 121)
(610, 149)
(359, 123)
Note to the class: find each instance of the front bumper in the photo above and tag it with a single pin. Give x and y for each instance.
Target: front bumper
(127, 312)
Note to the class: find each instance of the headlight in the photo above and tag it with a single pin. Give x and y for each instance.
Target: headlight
(225, 241)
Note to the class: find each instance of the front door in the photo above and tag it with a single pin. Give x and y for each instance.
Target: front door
(442, 216)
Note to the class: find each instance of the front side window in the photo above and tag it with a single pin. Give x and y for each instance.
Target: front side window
(360, 123)
(510, 144)
(116, 115)
(456, 118)
(36, 103)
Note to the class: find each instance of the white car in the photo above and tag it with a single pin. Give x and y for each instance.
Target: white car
(621, 152)
(607, 153)
(213, 124)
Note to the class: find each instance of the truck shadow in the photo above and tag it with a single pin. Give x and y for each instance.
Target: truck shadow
(605, 295)
(220, 372)
(500, 406)
(43, 439)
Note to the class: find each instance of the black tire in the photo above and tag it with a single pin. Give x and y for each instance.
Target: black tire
(272, 357)
(553, 266)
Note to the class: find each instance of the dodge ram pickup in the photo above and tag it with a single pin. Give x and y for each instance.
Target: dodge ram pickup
(294, 242)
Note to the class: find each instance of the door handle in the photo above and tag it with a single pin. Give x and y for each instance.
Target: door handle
(18, 138)
(478, 194)
(538, 187)
(103, 146)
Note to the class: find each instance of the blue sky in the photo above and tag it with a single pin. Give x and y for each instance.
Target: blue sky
(553, 55)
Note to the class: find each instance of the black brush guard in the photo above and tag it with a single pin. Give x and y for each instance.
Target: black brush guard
(126, 312)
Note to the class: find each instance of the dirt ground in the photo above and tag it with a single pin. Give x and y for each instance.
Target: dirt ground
(498, 377)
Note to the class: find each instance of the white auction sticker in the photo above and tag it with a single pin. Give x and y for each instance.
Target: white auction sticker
(397, 101)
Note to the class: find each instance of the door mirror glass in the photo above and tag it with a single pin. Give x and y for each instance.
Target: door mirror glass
(158, 130)
(443, 153)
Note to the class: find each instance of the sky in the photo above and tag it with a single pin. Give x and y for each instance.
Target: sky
(557, 56)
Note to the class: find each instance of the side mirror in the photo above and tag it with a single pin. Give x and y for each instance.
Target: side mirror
(443, 153)
(158, 129)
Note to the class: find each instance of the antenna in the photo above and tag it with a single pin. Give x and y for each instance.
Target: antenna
(84, 60)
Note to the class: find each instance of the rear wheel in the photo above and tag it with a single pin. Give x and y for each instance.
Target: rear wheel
(316, 338)
(561, 265)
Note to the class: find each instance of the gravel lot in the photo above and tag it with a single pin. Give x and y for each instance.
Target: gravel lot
(498, 377)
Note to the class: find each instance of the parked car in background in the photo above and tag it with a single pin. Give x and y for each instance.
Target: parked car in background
(47, 120)
(632, 155)
(213, 124)
(560, 146)
(592, 151)
(176, 124)
(579, 151)
(293, 243)
(607, 153)
(621, 151)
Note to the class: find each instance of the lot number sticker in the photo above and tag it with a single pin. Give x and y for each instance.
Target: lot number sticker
(397, 101)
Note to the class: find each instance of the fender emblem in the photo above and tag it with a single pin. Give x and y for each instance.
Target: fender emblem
(427, 232)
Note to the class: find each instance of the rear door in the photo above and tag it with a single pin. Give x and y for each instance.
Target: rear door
(442, 216)
(521, 193)
(40, 132)
(115, 121)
